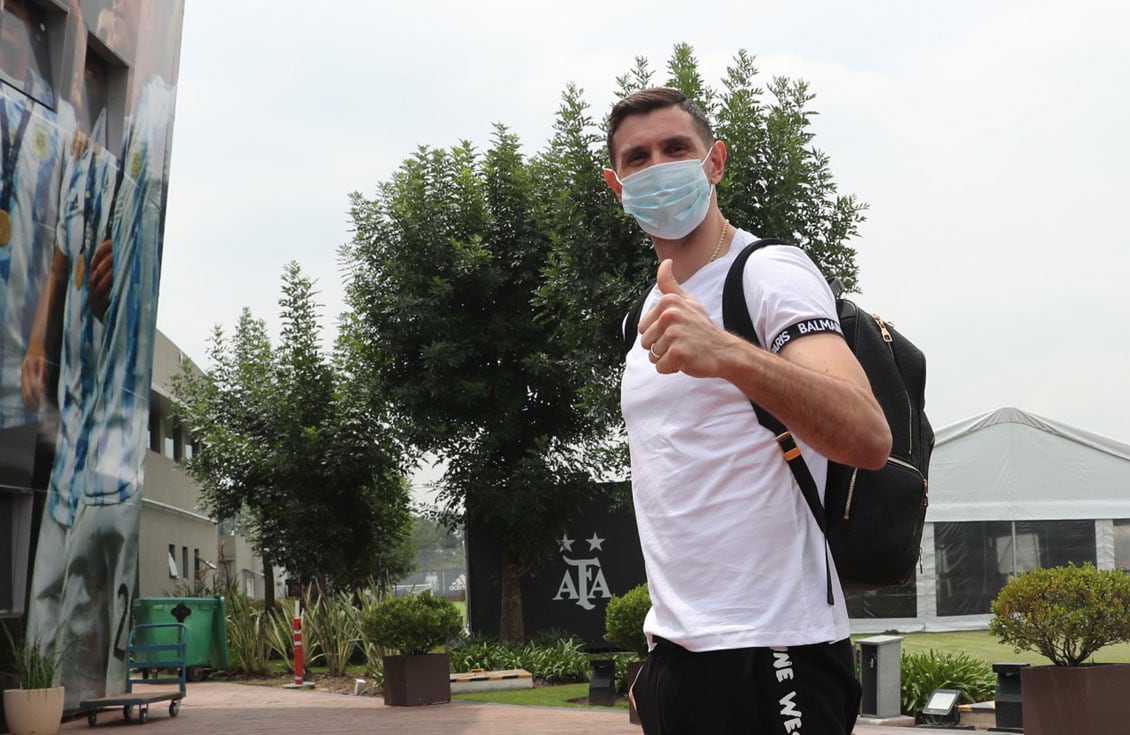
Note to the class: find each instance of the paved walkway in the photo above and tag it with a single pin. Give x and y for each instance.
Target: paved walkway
(219, 707)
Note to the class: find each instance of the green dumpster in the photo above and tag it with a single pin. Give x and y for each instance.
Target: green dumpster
(206, 621)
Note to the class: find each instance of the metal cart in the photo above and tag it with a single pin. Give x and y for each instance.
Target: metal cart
(157, 656)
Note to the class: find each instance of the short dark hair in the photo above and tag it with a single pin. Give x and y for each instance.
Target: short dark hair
(656, 98)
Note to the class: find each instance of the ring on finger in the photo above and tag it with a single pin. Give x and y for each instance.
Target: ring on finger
(654, 354)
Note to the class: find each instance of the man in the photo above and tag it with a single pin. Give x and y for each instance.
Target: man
(742, 637)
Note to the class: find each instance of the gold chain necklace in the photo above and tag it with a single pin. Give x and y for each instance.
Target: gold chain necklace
(721, 239)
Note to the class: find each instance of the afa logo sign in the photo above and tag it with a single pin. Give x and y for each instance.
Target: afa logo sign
(583, 580)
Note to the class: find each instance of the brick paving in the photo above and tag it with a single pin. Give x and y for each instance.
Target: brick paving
(220, 707)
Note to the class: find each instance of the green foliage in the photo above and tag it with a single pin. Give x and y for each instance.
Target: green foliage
(479, 652)
(295, 447)
(1064, 613)
(412, 625)
(547, 659)
(331, 628)
(925, 671)
(249, 626)
(557, 662)
(623, 620)
(36, 664)
(371, 650)
(279, 632)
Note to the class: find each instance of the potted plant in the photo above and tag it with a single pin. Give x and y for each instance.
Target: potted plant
(414, 626)
(1067, 614)
(36, 708)
(623, 625)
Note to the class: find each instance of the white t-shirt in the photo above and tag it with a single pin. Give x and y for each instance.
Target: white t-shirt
(734, 557)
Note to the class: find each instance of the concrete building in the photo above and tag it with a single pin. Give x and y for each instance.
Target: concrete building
(182, 550)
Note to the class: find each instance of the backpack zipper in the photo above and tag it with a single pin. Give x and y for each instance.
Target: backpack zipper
(855, 474)
(909, 406)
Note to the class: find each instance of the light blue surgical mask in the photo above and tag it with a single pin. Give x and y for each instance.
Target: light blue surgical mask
(668, 200)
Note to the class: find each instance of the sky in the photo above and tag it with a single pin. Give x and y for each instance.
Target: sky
(989, 140)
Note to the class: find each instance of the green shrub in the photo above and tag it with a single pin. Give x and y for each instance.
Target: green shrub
(279, 633)
(480, 652)
(414, 624)
(926, 671)
(249, 633)
(623, 620)
(558, 662)
(1064, 613)
(36, 665)
(333, 626)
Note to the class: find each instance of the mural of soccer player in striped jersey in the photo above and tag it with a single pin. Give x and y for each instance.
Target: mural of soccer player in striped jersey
(97, 324)
(101, 552)
(67, 329)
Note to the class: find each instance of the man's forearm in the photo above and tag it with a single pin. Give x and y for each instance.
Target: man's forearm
(837, 416)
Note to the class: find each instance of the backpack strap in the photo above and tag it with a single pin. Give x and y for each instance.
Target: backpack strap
(631, 325)
(735, 318)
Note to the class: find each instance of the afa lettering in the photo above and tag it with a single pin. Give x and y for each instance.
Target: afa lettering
(590, 582)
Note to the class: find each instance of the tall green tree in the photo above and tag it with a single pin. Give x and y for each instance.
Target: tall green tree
(290, 444)
(445, 261)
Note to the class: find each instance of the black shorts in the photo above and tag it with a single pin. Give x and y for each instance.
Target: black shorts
(748, 691)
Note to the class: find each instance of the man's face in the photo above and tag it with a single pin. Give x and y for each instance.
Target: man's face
(660, 136)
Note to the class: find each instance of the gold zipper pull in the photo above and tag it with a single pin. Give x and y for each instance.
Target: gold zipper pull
(882, 327)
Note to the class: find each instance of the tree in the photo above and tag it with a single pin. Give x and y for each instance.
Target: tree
(229, 411)
(445, 262)
(495, 287)
(291, 445)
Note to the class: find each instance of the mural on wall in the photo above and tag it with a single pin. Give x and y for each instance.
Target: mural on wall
(86, 112)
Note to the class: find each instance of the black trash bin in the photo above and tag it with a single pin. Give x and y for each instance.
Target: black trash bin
(1009, 711)
(602, 686)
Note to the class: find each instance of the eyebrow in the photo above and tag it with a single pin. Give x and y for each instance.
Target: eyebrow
(683, 138)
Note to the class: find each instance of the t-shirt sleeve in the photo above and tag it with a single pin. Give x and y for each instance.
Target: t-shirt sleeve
(787, 297)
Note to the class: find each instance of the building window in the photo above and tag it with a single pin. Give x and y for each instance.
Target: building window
(974, 560)
(184, 558)
(154, 431)
(173, 562)
(1122, 543)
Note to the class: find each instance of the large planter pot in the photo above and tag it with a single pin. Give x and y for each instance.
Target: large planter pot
(411, 680)
(33, 711)
(1081, 700)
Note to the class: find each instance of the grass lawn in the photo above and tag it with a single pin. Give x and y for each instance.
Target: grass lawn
(559, 695)
(980, 644)
(976, 643)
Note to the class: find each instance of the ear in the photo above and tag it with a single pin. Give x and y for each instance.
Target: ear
(716, 165)
(613, 182)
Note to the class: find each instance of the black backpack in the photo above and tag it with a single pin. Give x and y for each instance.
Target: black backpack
(872, 519)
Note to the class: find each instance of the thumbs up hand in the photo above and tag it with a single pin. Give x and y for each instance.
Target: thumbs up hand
(679, 334)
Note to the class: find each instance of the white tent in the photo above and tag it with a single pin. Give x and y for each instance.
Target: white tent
(1008, 491)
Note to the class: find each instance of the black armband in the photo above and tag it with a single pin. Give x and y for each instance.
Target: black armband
(803, 329)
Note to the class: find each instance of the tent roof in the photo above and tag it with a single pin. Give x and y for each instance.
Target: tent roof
(1011, 465)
